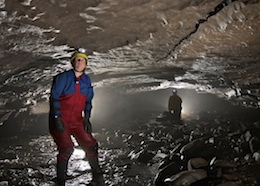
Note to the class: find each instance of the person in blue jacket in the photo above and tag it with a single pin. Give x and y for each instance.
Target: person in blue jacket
(70, 111)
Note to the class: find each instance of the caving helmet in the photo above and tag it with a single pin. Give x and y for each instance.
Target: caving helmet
(174, 91)
(79, 52)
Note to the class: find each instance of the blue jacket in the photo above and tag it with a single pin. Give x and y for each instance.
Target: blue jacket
(71, 96)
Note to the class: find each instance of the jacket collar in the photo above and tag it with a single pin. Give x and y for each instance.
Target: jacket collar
(72, 73)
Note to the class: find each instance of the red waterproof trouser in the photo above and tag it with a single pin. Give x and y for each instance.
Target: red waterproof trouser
(65, 143)
(71, 107)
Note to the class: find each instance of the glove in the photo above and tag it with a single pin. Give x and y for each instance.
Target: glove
(58, 124)
(87, 125)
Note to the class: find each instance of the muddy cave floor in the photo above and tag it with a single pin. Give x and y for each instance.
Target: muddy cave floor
(132, 151)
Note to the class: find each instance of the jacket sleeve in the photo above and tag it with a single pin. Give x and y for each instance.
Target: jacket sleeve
(90, 95)
(58, 85)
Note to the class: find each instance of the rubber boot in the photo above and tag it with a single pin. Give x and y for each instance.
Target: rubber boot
(97, 175)
(61, 173)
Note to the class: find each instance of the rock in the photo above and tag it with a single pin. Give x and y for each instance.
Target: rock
(171, 158)
(230, 183)
(3, 183)
(155, 145)
(169, 170)
(256, 157)
(254, 144)
(197, 148)
(230, 177)
(142, 156)
(223, 164)
(196, 163)
(187, 177)
(191, 146)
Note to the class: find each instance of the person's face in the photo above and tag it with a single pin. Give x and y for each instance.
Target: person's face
(80, 64)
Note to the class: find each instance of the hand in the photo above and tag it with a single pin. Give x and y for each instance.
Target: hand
(58, 124)
(87, 125)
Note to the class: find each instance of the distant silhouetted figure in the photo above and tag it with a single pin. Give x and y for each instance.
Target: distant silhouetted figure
(174, 104)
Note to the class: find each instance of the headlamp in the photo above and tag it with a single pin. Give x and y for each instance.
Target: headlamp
(79, 52)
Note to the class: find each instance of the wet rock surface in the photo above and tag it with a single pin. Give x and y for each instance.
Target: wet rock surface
(212, 147)
(138, 51)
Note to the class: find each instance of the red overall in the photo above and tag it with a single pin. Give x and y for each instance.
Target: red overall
(71, 107)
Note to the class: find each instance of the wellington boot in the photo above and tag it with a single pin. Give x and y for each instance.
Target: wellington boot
(97, 175)
(60, 182)
(61, 173)
(98, 179)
